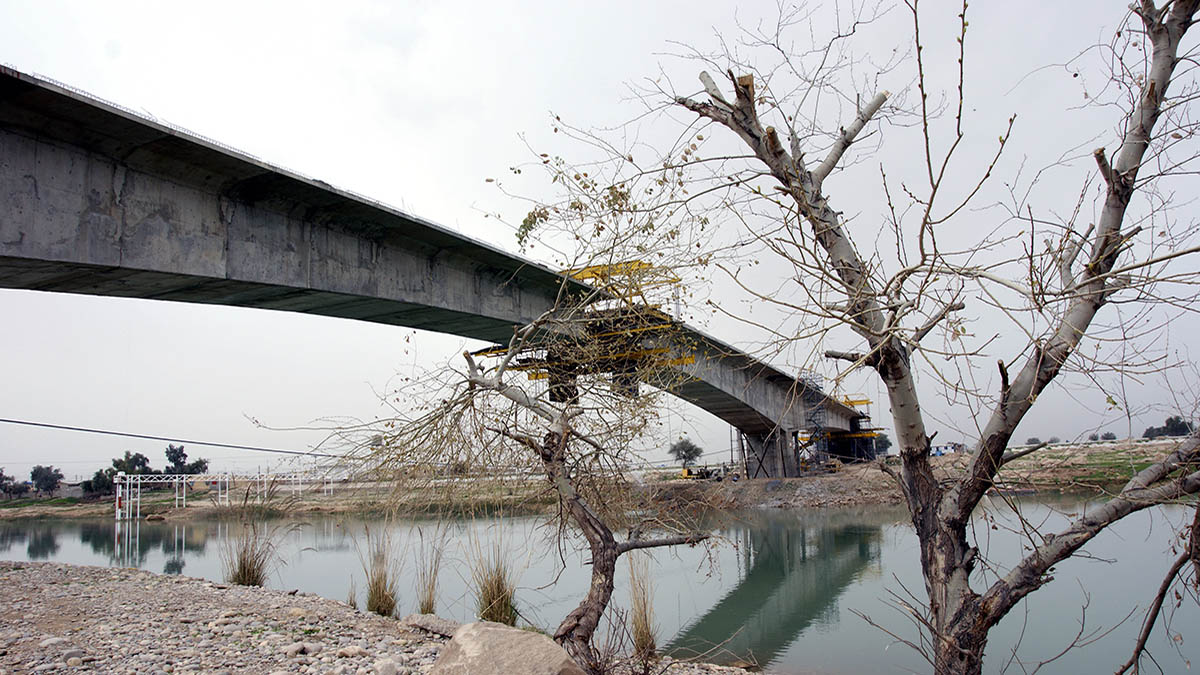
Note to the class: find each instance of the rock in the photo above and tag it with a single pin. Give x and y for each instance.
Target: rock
(155, 516)
(50, 642)
(72, 654)
(294, 649)
(296, 612)
(486, 648)
(432, 623)
(313, 648)
(74, 662)
(385, 667)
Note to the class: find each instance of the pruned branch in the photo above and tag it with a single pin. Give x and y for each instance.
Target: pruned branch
(847, 137)
(856, 358)
(1106, 171)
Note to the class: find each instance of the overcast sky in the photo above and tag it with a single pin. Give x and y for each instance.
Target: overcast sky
(416, 104)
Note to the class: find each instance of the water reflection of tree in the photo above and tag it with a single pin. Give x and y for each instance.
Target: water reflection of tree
(43, 543)
(10, 535)
(174, 565)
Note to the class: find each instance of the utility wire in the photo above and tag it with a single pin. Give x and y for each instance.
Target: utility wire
(644, 463)
(181, 441)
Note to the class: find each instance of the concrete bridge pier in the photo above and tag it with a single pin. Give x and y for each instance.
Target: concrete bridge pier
(769, 455)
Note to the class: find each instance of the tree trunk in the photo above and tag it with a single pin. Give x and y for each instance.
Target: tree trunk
(959, 630)
(576, 630)
(960, 654)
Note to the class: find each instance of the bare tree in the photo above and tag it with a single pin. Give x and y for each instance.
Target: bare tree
(574, 396)
(1052, 293)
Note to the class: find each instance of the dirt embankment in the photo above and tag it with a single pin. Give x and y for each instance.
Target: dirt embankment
(1057, 468)
(1086, 467)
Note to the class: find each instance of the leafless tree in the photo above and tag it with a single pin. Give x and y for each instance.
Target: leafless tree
(1052, 290)
(573, 396)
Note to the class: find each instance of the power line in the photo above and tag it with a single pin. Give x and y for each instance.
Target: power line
(181, 441)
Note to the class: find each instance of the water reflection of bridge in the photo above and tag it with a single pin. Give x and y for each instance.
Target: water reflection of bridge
(794, 572)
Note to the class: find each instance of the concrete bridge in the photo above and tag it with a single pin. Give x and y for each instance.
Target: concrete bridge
(95, 199)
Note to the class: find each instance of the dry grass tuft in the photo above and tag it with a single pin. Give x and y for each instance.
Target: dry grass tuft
(381, 566)
(495, 585)
(248, 558)
(641, 589)
(429, 564)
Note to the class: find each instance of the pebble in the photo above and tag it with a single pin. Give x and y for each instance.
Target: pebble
(50, 642)
(203, 627)
(230, 629)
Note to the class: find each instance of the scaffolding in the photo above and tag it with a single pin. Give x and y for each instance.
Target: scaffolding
(624, 334)
(814, 447)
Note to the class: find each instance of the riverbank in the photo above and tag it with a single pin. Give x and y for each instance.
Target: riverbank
(58, 618)
(1080, 468)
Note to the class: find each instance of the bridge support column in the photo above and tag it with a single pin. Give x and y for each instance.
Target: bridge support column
(769, 455)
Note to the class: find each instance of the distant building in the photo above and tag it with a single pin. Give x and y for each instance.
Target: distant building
(947, 449)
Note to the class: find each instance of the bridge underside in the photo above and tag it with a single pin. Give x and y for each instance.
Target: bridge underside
(126, 283)
(96, 200)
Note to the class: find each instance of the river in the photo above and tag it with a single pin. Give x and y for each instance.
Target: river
(786, 587)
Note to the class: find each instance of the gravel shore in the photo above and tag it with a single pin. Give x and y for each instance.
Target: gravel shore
(73, 618)
(60, 617)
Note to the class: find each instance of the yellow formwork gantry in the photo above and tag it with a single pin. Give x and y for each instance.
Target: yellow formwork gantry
(628, 280)
(622, 332)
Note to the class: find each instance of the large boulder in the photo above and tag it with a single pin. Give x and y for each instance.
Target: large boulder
(487, 648)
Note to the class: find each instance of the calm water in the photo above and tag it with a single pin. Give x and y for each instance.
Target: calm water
(786, 587)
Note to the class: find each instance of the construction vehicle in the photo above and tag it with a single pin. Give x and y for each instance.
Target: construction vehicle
(810, 467)
(705, 473)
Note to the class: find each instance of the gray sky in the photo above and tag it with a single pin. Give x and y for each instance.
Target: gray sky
(416, 104)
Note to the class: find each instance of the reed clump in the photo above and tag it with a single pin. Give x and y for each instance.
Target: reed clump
(429, 564)
(381, 565)
(248, 558)
(495, 585)
(641, 589)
